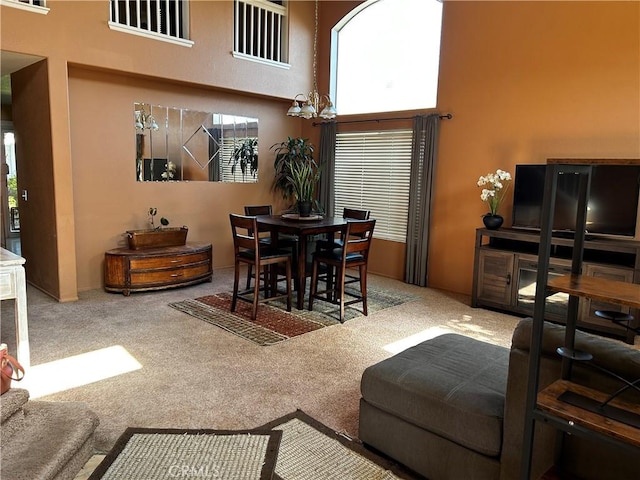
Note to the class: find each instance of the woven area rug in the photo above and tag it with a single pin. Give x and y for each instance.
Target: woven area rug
(273, 323)
(310, 450)
(159, 454)
(293, 447)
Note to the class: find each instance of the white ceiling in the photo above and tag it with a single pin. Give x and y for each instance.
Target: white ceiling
(12, 62)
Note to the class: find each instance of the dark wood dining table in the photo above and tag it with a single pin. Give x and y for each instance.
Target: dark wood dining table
(303, 228)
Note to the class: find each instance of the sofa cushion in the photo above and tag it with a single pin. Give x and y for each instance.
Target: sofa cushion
(451, 385)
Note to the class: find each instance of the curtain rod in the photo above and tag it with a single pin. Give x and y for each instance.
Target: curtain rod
(446, 116)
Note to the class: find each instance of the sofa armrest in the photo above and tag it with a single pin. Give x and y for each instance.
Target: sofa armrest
(587, 458)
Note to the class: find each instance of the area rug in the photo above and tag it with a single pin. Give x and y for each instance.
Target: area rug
(159, 454)
(309, 450)
(293, 447)
(273, 323)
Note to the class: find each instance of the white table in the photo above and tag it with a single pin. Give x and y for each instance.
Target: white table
(13, 286)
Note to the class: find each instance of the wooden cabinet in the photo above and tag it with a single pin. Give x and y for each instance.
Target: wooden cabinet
(495, 278)
(587, 318)
(505, 271)
(129, 271)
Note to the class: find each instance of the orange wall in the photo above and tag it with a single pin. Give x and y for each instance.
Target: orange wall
(92, 77)
(109, 200)
(525, 81)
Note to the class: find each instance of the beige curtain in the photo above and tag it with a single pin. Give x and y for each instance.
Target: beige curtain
(423, 161)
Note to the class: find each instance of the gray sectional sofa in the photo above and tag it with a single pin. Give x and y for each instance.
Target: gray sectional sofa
(453, 407)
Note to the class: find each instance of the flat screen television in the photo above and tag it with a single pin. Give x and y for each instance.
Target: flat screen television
(613, 200)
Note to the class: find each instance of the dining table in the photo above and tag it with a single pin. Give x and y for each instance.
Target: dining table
(303, 228)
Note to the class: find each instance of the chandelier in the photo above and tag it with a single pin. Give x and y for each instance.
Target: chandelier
(313, 102)
(145, 120)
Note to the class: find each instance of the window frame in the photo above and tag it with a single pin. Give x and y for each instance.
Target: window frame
(146, 32)
(334, 64)
(279, 7)
(26, 5)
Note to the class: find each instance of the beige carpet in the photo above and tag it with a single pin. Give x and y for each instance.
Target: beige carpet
(139, 363)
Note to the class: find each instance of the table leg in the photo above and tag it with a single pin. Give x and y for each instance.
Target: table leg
(22, 329)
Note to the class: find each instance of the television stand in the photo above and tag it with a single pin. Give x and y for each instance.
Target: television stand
(564, 234)
(505, 269)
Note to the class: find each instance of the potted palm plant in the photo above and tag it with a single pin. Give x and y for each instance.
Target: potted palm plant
(296, 173)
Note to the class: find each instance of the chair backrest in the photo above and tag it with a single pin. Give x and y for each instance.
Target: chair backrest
(258, 210)
(242, 228)
(358, 237)
(356, 214)
(252, 210)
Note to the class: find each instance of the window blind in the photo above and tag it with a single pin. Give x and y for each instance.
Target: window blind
(372, 173)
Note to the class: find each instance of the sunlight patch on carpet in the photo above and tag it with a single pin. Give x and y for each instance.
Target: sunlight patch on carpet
(83, 369)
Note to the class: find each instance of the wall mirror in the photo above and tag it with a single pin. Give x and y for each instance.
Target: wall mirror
(177, 144)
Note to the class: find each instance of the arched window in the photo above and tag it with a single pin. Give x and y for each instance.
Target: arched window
(386, 55)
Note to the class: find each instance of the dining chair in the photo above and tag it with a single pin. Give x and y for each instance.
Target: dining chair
(336, 242)
(353, 253)
(284, 240)
(249, 250)
(253, 210)
(348, 213)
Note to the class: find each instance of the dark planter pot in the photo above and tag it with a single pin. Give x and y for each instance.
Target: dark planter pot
(304, 209)
(492, 222)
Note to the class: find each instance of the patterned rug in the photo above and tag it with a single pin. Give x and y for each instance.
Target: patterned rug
(273, 323)
(293, 447)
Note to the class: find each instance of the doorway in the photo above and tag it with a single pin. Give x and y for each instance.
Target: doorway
(9, 194)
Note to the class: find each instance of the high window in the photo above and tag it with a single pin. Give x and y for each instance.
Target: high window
(372, 173)
(386, 56)
(260, 30)
(162, 19)
(37, 6)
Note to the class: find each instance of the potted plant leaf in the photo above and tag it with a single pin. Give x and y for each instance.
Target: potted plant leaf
(245, 155)
(296, 172)
(303, 177)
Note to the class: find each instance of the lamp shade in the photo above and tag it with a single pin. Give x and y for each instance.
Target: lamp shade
(294, 109)
(307, 111)
(328, 112)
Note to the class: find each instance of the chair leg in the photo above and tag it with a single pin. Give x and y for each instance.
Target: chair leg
(288, 273)
(340, 278)
(314, 283)
(256, 295)
(363, 288)
(267, 281)
(331, 281)
(236, 280)
(249, 273)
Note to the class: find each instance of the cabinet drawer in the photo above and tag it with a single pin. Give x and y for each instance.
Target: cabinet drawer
(167, 262)
(175, 275)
